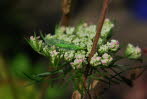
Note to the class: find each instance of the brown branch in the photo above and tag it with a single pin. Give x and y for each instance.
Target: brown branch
(99, 28)
(96, 39)
(95, 43)
(66, 9)
(97, 36)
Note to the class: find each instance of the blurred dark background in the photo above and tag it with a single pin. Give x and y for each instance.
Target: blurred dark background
(19, 19)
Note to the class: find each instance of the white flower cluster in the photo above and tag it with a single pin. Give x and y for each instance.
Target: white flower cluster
(95, 60)
(36, 43)
(112, 46)
(78, 63)
(105, 60)
(81, 37)
(133, 52)
(107, 28)
(69, 55)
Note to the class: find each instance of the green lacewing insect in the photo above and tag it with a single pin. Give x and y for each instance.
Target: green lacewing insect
(63, 44)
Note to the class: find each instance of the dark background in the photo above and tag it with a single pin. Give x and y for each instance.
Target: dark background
(19, 19)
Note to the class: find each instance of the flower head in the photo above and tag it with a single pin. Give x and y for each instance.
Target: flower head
(70, 30)
(106, 59)
(133, 52)
(59, 30)
(113, 45)
(78, 63)
(95, 60)
(69, 55)
(36, 43)
(107, 27)
(103, 49)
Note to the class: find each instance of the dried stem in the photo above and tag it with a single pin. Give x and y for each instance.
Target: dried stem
(96, 39)
(99, 28)
(66, 9)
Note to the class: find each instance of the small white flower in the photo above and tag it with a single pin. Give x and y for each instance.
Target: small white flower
(133, 52)
(60, 30)
(113, 45)
(80, 54)
(91, 29)
(70, 30)
(103, 49)
(101, 41)
(106, 59)
(78, 63)
(48, 36)
(46, 51)
(107, 27)
(54, 53)
(95, 60)
(36, 43)
(32, 38)
(69, 55)
(76, 40)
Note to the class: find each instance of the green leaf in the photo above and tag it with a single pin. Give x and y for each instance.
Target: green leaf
(49, 73)
(33, 78)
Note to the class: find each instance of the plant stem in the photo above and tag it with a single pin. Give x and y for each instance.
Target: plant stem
(99, 28)
(97, 36)
(96, 39)
(66, 9)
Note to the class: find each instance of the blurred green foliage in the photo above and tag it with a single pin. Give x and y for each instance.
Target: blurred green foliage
(5, 92)
(55, 93)
(20, 64)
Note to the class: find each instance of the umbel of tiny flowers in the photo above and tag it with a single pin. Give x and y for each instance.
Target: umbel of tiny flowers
(69, 48)
(133, 52)
(81, 37)
(80, 40)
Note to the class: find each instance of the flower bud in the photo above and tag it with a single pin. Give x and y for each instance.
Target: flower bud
(78, 63)
(103, 49)
(95, 60)
(70, 30)
(36, 44)
(54, 55)
(113, 45)
(106, 29)
(46, 51)
(133, 52)
(60, 30)
(69, 55)
(106, 59)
